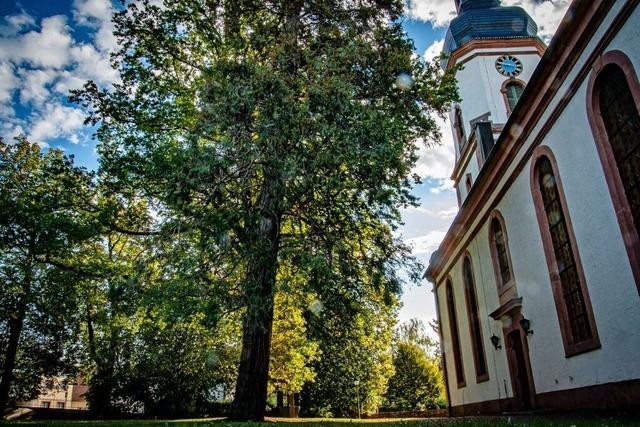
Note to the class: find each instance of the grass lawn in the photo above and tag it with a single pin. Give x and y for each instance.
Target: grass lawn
(541, 421)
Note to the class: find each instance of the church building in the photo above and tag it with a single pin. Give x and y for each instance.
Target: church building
(537, 282)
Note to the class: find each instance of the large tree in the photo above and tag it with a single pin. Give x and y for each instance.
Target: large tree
(44, 202)
(285, 131)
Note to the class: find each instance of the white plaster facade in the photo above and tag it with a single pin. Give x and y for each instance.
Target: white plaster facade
(564, 128)
(481, 85)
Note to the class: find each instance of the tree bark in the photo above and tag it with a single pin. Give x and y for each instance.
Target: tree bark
(15, 330)
(253, 373)
(101, 384)
(291, 405)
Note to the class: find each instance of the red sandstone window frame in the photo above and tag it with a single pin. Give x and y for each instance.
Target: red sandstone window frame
(609, 165)
(504, 91)
(571, 348)
(454, 332)
(503, 288)
(479, 346)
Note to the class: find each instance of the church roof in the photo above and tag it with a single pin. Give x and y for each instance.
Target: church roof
(487, 19)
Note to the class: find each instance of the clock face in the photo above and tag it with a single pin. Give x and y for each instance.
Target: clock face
(509, 66)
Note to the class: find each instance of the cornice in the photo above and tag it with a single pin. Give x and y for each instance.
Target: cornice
(458, 56)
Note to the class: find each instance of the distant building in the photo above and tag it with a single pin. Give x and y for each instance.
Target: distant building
(537, 282)
(60, 396)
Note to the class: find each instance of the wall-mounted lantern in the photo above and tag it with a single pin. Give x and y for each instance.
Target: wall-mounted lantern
(526, 326)
(495, 340)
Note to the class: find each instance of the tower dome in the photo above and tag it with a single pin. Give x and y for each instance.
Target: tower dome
(487, 19)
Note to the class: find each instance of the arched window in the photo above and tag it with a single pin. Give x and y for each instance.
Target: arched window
(455, 336)
(622, 122)
(500, 254)
(614, 101)
(479, 358)
(512, 91)
(569, 288)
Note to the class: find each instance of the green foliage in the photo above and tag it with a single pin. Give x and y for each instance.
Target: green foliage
(154, 344)
(414, 331)
(275, 133)
(292, 352)
(355, 342)
(44, 217)
(417, 382)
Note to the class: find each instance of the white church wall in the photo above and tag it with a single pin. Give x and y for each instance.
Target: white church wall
(480, 86)
(612, 289)
(608, 275)
(471, 82)
(499, 384)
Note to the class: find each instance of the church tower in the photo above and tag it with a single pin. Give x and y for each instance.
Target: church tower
(498, 50)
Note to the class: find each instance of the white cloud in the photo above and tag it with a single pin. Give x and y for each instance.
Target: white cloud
(87, 11)
(8, 82)
(546, 13)
(447, 213)
(93, 65)
(54, 121)
(97, 14)
(438, 12)
(436, 162)
(47, 48)
(68, 81)
(13, 24)
(105, 39)
(442, 186)
(427, 243)
(9, 130)
(40, 62)
(34, 85)
(434, 50)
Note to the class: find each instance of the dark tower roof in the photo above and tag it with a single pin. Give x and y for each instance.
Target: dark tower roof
(487, 19)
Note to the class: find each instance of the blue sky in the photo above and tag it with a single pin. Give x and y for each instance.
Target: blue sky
(48, 47)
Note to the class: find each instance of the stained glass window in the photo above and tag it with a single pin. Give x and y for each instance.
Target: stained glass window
(573, 298)
(500, 245)
(474, 320)
(455, 337)
(622, 122)
(514, 92)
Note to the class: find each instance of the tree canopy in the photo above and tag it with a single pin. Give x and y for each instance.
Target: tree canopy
(42, 219)
(254, 159)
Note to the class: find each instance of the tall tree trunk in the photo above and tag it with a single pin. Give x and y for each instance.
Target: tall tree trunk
(291, 405)
(15, 330)
(253, 373)
(101, 384)
(91, 334)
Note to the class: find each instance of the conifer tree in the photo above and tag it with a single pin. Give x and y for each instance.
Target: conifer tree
(285, 131)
